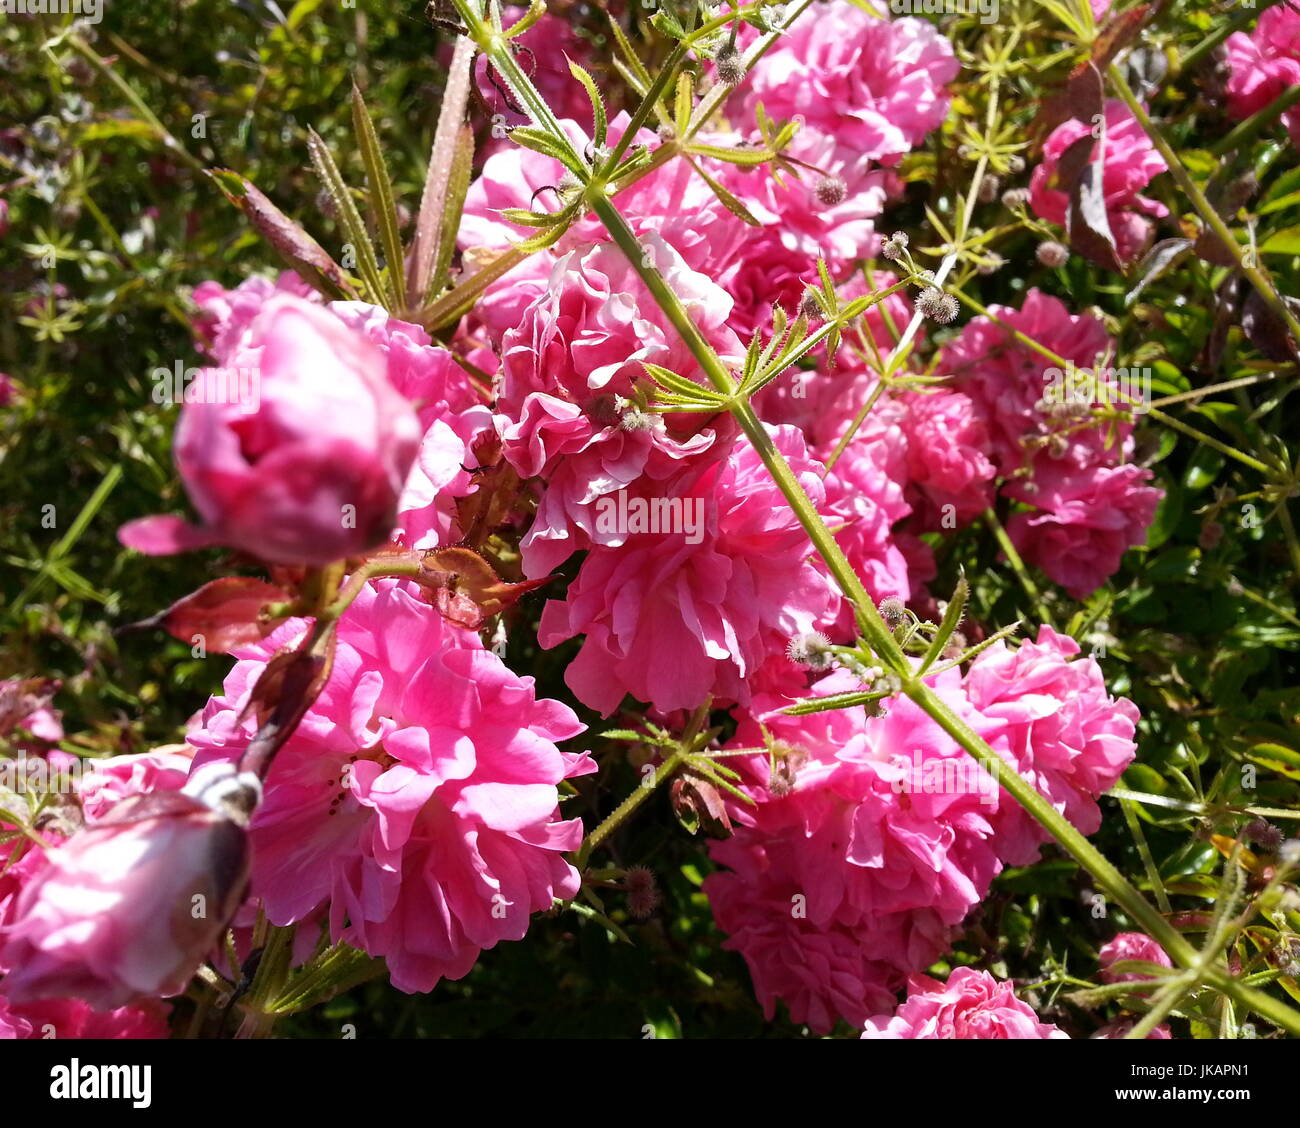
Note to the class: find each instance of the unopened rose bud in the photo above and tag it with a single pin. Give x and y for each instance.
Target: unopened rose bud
(937, 306)
(305, 461)
(130, 906)
(1052, 254)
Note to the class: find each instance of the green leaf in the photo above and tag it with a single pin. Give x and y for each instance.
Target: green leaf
(462, 162)
(683, 104)
(542, 142)
(353, 227)
(1284, 242)
(381, 198)
(729, 201)
(664, 22)
(601, 122)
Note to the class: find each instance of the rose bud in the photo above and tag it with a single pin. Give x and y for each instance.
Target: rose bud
(131, 905)
(296, 451)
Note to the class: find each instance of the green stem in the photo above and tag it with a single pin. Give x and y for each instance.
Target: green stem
(1017, 565)
(1252, 125)
(639, 795)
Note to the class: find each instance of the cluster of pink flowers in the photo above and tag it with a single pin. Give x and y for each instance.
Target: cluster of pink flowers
(1065, 459)
(876, 836)
(414, 811)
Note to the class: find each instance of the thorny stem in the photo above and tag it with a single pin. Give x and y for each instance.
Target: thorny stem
(872, 627)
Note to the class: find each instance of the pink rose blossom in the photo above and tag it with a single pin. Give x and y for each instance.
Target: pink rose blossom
(1130, 946)
(972, 1004)
(416, 802)
(1065, 733)
(1084, 522)
(74, 1018)
(311, 472)
(1130, 164)
(851, 874)
(1007, 380)
(947, 458)
(28, 705)
(571, 374)
(876, 86)
(225, 315)
(672, 617)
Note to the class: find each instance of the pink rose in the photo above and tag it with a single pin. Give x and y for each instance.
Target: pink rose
(1084, 523)
(972, 1004)
(311, 470)
(1130, 946)
(1130, 163)
(129, 906)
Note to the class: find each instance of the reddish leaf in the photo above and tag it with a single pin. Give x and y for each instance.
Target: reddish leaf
(465, 588)
(1086, 222)
(698, 804)
(291, 682)
(226, 613)
(1118, 32)
(286, 236)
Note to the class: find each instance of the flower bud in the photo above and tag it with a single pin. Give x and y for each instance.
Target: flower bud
(130, 906)
(1052, 254)
(305, 465)
(937, 306)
